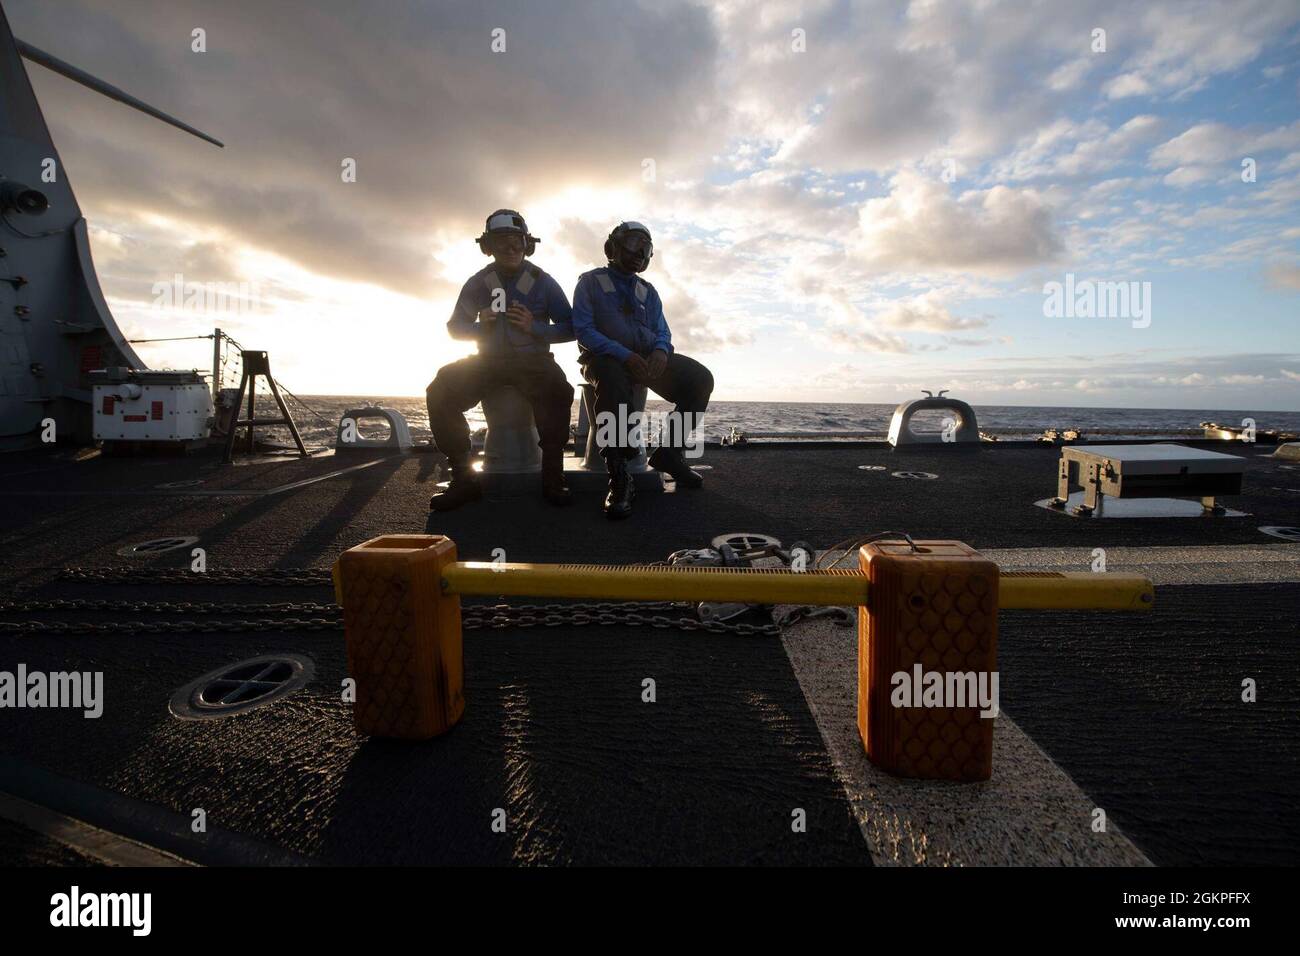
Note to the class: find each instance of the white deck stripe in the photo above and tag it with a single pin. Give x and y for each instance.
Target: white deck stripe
(1029, 814)
(1210, 564)
(108, 848)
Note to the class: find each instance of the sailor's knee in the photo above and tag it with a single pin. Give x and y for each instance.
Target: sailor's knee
(609, 376)
(705, 385)
(438, 391)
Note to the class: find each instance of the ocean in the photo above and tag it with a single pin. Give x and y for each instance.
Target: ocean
(319, 426)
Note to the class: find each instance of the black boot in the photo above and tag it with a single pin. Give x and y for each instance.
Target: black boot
(622, 489)
(463, 489)
(554, 488)
(671, 461)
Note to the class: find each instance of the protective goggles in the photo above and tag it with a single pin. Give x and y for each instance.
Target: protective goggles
(636, 244)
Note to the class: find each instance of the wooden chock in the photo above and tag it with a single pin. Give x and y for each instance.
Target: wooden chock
(927, 659)
(403, 635)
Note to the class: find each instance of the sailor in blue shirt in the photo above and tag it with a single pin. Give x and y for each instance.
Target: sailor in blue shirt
(624, 341)
(514, 312)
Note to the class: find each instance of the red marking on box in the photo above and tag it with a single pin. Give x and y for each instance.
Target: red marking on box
(155, 409)
(108, 405)
(135, 418)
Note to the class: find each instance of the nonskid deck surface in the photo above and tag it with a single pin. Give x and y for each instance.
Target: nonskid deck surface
(1142, 711)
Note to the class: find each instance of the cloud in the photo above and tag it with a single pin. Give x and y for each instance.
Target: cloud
(1284, 275)
(1178, 46)
(921, 227)
(877, 329)
(442, 129)
(924, 313)
(791, 207)
(1210, 151)
(1065, 149)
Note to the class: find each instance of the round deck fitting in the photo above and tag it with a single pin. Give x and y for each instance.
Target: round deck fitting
(743, 541)
(920, 475)
(157, 546)
(1282, 531)
(235, 688)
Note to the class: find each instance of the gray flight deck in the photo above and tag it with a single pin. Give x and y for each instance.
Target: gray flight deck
(1138, 714)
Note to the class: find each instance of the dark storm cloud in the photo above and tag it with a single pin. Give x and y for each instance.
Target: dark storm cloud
(440, 127)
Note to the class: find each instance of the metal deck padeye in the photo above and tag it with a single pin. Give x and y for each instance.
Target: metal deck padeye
(1147, 471)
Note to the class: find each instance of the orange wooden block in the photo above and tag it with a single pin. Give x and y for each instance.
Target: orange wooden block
(931, 611)
(403, 635)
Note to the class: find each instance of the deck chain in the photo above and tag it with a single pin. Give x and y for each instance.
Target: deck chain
(259, 577)
(655, 614)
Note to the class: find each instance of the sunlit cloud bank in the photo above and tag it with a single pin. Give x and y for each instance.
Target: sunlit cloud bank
(851, 201)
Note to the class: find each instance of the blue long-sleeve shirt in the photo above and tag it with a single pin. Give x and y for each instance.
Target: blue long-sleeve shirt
(541, 294)
(617, 313)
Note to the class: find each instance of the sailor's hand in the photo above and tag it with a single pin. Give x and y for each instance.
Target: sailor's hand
(520, 317)
(636, 367)
(487, 315)
(656, 364)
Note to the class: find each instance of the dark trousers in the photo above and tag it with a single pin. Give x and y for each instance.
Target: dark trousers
(460, 386)
(684, 382)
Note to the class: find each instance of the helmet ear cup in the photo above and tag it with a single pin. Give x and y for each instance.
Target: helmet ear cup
(609, 247)
(530, 245)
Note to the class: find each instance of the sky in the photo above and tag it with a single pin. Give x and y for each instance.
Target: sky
(850, 201)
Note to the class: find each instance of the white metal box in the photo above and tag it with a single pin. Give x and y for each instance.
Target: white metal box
(147, 405)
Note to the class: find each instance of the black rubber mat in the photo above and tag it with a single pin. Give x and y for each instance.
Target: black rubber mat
(556, 735)
(1145, 712)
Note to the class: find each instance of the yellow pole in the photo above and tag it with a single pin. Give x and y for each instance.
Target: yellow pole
(1017, 590)
(642, 583)
(1074, 591)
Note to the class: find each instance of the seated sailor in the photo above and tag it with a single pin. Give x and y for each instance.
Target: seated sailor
(624, 339)
(514, 312)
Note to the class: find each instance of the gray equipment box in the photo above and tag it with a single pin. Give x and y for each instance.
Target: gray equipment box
(1161, 470)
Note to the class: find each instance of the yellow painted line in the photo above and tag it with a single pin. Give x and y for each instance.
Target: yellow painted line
(1052, 590)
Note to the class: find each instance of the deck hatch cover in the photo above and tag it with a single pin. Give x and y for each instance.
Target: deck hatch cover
(157, 545)
(243, 686)
(746, 540)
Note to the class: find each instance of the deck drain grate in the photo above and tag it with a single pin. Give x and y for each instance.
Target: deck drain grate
(743, 541)
(918, 475)
(871, 467)
(239, 687)
(1282, 531)
(157, 546)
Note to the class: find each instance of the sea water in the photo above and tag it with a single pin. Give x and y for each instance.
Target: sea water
(319, 425)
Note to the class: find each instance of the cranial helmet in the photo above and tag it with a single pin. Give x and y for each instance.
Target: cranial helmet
(506, 222)
(633, 259)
